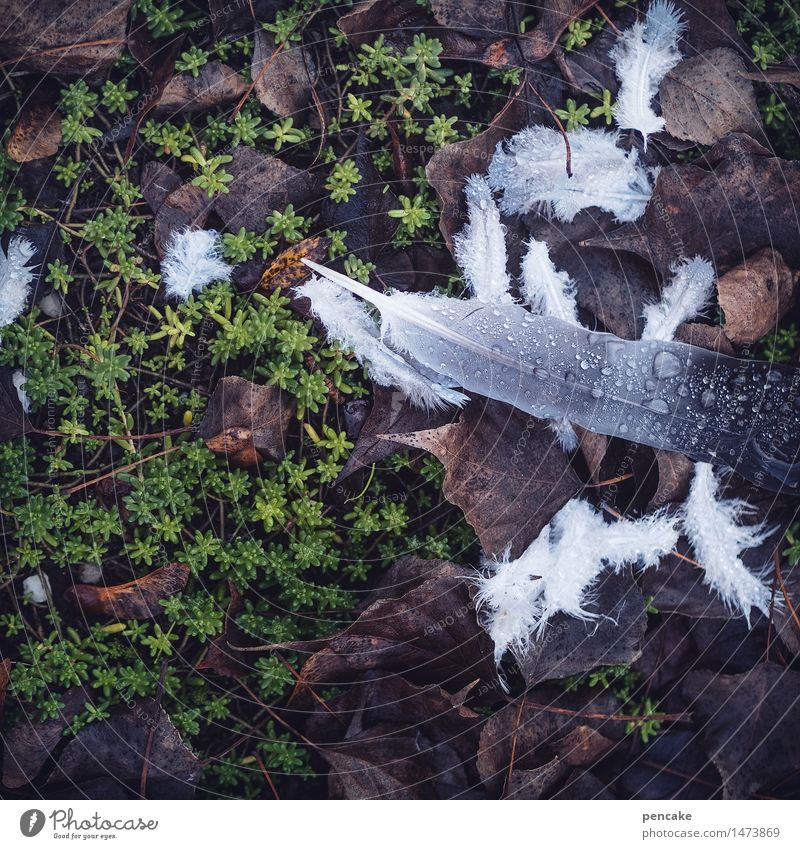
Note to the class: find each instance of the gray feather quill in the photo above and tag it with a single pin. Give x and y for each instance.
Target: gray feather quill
(740, 414)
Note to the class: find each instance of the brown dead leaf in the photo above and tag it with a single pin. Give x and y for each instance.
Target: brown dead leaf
(246, 421)
(743, 203)
(674, 473)
(370, 17)
(398, 741)
(533, 736)
(705, 97)
(391, 412)
(420, 622)
(755, 296)
(215, 84)
(614, 287)
(481, 17)
(283, 75)
(261, 184)
(287, 270)
(137, 599)
(221, 658)
(186, 206)
(157, 183)
(28, 744)
(503, 470)
(554, 17)
(106, 759)
(572, 647)
(749, 724)
(36, 134)
(82, 37)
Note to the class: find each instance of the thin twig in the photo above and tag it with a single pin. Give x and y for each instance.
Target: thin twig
(99, 43)
(86, 484)
(615, 717)
(266, 775)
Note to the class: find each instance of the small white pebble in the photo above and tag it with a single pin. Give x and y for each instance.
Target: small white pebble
(90, 573)
(19, 380)
(36, 588)
(52, 305)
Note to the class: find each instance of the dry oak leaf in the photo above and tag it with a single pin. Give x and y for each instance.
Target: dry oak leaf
(81, 37)
(749, 724)
(532, 735)
(571, 646)
(106, 759)
(36, 134)
(261, 184)
(391, 412)
(27, 746)
(187, 206)
(387, 738)
(744, 201)
(755, 296)
(246, 421)
(137, 599)
(503, 470)
(706, 97)
(282, 74)
(420, 622)
(216, 83)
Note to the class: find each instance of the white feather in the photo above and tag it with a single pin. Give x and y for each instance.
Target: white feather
(557, 572)
(15, 279)
(480, 248)
(347, 320)
(531, 171)
(548, 290)
(718, 539)
(565, 434)
(645, 53)
(193, 260)
(686, 297)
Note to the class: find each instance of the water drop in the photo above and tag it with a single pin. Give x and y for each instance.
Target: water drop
(657, 405)
(708, 399)
(666, 365)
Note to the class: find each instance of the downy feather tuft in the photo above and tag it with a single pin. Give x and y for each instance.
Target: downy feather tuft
(15, 279)
(480, 248)
(192, 261)
(548, 290)
(645, 53)
(557, 572)
(347, 321)
(718, 539)
(531, 171)
(684, 298)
